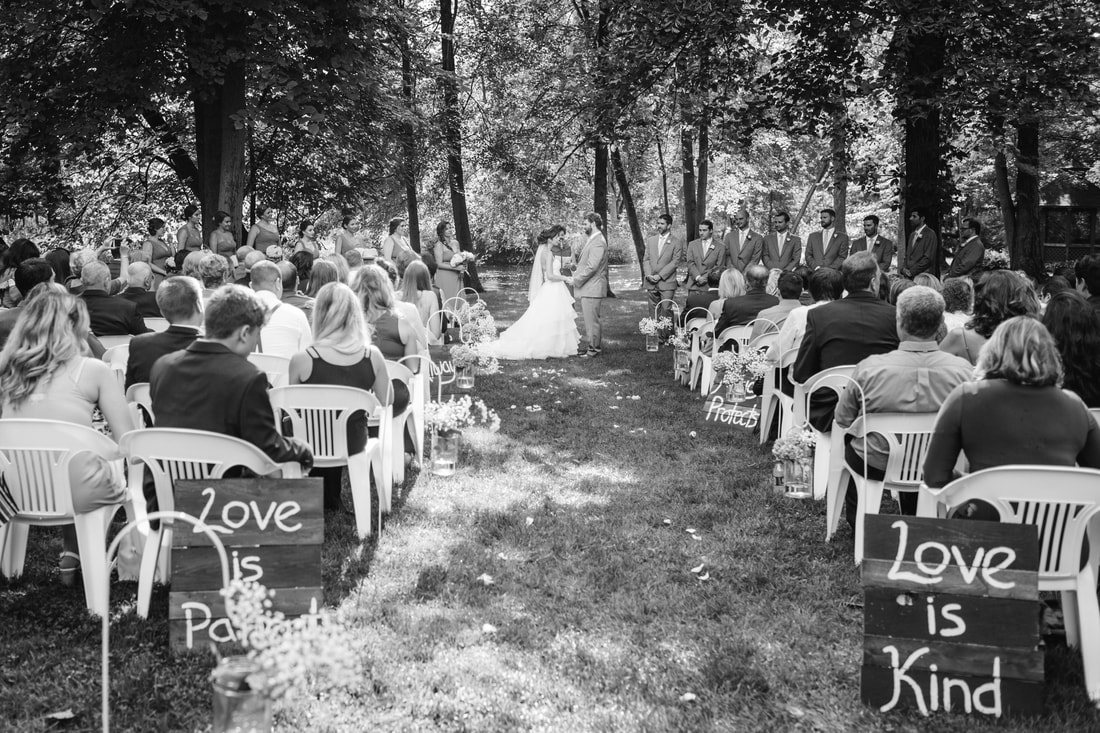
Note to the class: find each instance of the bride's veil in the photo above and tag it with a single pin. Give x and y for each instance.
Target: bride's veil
(537, 275)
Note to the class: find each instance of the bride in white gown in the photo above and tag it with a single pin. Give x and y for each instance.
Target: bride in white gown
(548, 328)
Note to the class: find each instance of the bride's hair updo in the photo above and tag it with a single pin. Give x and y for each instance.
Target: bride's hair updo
(547, 234)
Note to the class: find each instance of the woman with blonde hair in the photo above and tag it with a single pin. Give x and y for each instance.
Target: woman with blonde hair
(730, 285)
(394, 336)
(1016, 412)
(416, 289)
(343, 271)
(46, 373)
(322, 273)
(341, 354)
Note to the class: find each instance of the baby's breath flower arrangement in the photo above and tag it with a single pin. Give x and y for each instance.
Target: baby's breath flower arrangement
(680, 340)
(653, 326)
(291, 654)
(477, 324)
(798, 443)
(464, 356)
(742, 366)
(457, 413)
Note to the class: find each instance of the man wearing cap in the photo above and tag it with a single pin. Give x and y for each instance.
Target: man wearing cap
(744, 247)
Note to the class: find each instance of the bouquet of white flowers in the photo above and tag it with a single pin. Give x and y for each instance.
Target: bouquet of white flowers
(796, 444)
(455, 414)
(680, 340)
(750, 364)
(462, 259)
(476, 324)
(464, 356)
(653, 326)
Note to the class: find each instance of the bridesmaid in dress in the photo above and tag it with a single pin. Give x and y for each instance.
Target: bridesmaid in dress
(306, 242)
(221, 240)
(189, 236)
(396, 247)
(345, 235)
(157, 250)
(264, 232)
(447, 278)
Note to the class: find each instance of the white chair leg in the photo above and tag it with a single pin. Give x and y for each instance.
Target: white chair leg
(148, 571)
(1088, 623)
(359, 473)
(870, 499)
(836, 458)
(397, 429)
(834, 505)
(14, 549)
(91, 540)
(1070, 618)
(822, 445)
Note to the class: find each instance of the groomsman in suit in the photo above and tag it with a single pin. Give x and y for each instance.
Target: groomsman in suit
(922, 254)
(781, 248)
(744, 247)
(663, 253)
(881, 247)
(704, 255)
(826, 248)
(971, 252)
(589, 281)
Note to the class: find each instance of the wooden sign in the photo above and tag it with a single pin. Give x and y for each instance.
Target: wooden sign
(951, 616)
(741, 415)
(272, 530)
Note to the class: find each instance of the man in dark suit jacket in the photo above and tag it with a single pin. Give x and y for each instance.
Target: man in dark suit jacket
(28, 276)
(180, 300)
(871, 241)
(109, 316)
(781, 248)
(845, 331)
(140, 276)
(828, 247)
(744, 247)
(212, 386)
(970, 253)
(739, 311)
(922, 254)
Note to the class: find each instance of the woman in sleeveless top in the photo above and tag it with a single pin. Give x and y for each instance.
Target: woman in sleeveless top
(46, 375)
(264, 232)
(1000, 295)
(449, 279)
(306, 242)
(417, 289)
(157, 250)
(189, 236)
(222, 241)
(341, 355)
(345, 235)
(394, 336)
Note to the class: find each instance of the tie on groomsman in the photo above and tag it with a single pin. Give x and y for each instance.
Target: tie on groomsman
(922, 254)
(705, 255)
(664, 251)
(744, 247)
(881, 247)
(781, 248)
(828, 247)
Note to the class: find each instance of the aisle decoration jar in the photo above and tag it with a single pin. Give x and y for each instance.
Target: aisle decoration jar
(740, 370)
(469, 360)
(445, 420)
(795, 453)
(651, 328)
(680, 341)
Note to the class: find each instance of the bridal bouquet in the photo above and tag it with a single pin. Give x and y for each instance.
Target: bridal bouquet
(455, 414)
(995, 259)
(462, 259)
(743, 366)
(464, 356)
(653, 326)
(798, 443)
(288, 652)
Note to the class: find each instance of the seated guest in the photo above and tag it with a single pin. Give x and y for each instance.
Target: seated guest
(213, 273)
(1075, 327)
(917, 377)
(250, 260)
(19, 251)
(82, 257)
(790, 289)
(845, 331)
(342, 267)
(287, 330)
(140, 277)
(45, 375)
(354, 259)
(1087, 274)
(826, 284)
(928, 280)
(741, 310)
(34, 277)
(1000, 295)
(1054, 285)
(212, 386)
(109, 316)
(772, 285)
(59, 260)
(303, 264)
(730, 285)
(416, 288)
(237, 262)
(341, 354)
(322, 273)
(898, 287)
(704, 298)
(391, 332)
(291, 295)
(190, 265)
(1015, 413)
(805, 297)
(407, 311)
(180, 300)
(958, 300)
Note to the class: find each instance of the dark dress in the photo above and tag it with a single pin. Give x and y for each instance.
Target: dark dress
(387, 337)
(361, 376)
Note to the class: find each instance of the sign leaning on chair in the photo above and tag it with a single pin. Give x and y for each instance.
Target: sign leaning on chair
(272, 529)
(951, 616)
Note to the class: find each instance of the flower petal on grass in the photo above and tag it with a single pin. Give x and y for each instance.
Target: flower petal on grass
(488, 629)
(690, 530)
(697, 537)
(698, 569)
(688, 697)
(691, 434)
(485, 579)
(666, 521)
(704, 576)
(530, 521)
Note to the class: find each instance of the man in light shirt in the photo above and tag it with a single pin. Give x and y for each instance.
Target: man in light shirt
(873, 242)
(744, 247)
(286, 331)
(782, 249)
(828, 247)
(664, 251)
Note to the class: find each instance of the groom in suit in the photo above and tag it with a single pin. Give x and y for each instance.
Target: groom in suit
(589, 280)
(663, 253)
(704, 256)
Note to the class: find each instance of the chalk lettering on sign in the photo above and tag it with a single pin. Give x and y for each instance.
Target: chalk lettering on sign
(939, 690)
(732, 415)
(197, 617)
(236, 514)
(948, 613)
(441, 367)
(932, 558)
(249, 564)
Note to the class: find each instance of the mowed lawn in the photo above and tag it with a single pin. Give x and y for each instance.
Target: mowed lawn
(547, 586)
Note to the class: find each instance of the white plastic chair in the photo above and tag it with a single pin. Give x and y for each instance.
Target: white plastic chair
(418, 399)
(739, 335)
(141, 403)
(117, 357)
(1095, 412)
(34, 461)
(276, 367)
(693, 324)
(908, 435)
(158, 325)
(770, 328)
(1064, 503)
(171, 454)
(702, 349)
(774, 401)
(826, 468)
(319, 415)
(110, 342)
(400, 423)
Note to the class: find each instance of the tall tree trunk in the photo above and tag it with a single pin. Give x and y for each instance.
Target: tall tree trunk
(703, 168)
(839, 165)
(1027, 253)
(231, 178)
(687, 162)
(599, 187)
(628, 204)
(664, 176)
(1004, 198)
(408, 143)
(452, 134)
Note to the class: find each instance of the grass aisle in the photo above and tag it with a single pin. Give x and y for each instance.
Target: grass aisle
(545, 587)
